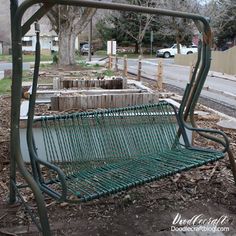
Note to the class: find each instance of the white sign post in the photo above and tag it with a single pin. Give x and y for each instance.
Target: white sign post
(111, 47)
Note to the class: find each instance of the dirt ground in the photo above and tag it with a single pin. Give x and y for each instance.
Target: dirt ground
(146, 210)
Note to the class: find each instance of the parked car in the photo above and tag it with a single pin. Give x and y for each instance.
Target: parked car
(172, 51)
(85, 49)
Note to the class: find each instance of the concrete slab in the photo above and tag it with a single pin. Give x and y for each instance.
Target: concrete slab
(43, 101)
(171, 101)
(202, 113)
(24, 108)
(222, 75)
(100, 63)
(227, 124)
(139, 85)
(26, 84)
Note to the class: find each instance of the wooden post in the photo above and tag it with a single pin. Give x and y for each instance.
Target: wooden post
(191, 71)
(109, 62)
(8, 73)
(56, 84)
(139, 67)
(125, 73)
(160, 75)
(116, 64)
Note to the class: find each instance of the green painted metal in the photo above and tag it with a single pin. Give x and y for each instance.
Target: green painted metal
(27, 207)
(94, 154)
(16, 156)
(12, 195)
(190, 85)
(108, 151)
(232, 163)
(36, 17)
(29, 136)
(206, 60)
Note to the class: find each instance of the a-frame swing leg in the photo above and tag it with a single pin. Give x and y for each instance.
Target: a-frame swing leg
(232, 163)
(44, 226)
(42, 210)
(16, 158)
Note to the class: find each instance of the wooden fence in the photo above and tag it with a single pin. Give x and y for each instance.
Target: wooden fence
(223, 62)
(121, 64)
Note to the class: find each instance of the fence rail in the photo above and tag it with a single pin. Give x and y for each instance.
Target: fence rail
(114, 62)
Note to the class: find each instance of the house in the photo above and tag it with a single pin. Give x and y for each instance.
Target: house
(48, 39)
(49, 43)
(4, 47)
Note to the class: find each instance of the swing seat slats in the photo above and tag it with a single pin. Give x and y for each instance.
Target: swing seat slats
(109, 151)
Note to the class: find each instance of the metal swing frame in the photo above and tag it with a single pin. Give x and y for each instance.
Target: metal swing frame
(18, 30)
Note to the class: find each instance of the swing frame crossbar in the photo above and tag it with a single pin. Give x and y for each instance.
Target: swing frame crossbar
(193, 89)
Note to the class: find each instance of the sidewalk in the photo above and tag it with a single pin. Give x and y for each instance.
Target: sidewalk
(222, 75)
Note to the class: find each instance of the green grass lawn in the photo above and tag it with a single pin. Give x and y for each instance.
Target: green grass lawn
(6, 58)
(30, 58)
(100, 53)
(26, 58)
(5, 84)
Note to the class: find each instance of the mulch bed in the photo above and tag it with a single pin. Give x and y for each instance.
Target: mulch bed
(146, 210)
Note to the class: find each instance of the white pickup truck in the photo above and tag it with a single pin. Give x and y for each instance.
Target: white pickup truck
(169, 52)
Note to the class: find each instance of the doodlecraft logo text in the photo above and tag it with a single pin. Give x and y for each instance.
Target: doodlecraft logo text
(200, 223)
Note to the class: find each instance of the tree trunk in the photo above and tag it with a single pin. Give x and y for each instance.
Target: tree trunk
(140, 48)
(68, 22)
(178, 47)
(66, 46)
(179, 38)
(136, 47)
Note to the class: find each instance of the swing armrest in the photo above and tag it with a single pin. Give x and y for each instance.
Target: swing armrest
(223, 141)
(61, 177)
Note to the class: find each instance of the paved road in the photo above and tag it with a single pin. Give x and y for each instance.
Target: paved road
(8, 65)
(216, 88)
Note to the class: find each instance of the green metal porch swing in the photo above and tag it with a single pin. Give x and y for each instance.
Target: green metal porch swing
(94, 154)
